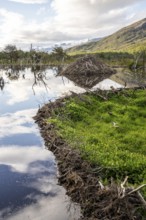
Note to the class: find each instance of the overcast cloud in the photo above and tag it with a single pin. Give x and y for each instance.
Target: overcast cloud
(61, 20)
(29, 1)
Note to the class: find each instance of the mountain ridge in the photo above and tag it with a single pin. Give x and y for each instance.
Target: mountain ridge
(130, 38)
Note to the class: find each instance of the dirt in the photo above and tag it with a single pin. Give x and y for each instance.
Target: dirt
(82, 179)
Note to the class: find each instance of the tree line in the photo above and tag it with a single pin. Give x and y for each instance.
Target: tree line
(12, 55)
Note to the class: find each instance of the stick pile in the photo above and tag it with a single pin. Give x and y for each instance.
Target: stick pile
(87, 71)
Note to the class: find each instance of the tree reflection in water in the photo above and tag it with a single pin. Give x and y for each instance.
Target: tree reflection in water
(39, 73)
(14, 72)
(2, 83)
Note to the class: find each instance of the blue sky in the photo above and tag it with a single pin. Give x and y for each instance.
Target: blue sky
(46, 22)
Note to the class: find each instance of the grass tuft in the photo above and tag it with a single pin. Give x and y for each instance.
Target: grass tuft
(111, 134)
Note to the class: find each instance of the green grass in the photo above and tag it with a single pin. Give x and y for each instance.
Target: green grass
(89, 126)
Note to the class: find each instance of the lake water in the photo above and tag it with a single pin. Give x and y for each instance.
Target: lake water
(129, 78)
(28, 173)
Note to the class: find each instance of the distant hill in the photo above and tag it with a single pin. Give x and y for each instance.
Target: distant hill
(94, 39)
(127, 39)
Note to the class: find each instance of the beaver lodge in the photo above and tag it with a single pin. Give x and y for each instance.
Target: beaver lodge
(87, 71)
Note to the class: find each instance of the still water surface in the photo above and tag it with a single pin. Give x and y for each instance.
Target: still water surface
(28, 173)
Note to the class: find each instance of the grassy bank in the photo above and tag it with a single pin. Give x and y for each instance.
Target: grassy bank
(110, 134)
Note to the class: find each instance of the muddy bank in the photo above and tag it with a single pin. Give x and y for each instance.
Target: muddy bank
(82, 179)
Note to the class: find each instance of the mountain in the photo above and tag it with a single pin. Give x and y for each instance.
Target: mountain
(127, 39)
(94, 39)
(64, 45)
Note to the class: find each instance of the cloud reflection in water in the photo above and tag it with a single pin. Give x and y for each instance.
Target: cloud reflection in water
(21, 90)
(28, 172)
(19, 158)
(49, 208)
(28, 186)
(14, 123)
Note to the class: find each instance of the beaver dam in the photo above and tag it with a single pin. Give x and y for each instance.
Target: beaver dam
(88, 134)
(87, 71)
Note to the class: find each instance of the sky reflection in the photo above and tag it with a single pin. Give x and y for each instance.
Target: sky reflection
(28, 171)
(20, 158)
(107, 84)
(28, 186)
(24, 89)
(16, 123)
(50, 208)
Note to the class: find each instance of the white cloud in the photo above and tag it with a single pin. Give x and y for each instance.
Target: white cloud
(69, 20)
(30, 1)
(11, 24)
(88, 17)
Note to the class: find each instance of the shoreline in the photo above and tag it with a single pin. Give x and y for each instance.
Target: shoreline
(80, 178)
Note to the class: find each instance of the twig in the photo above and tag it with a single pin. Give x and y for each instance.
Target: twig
(123, 188)
(142, 199)
(135, 190)
(101, 185)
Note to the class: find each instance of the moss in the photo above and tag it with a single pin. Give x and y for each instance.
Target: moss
(109, 133)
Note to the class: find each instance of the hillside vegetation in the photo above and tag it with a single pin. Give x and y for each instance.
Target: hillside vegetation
(128, 39)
